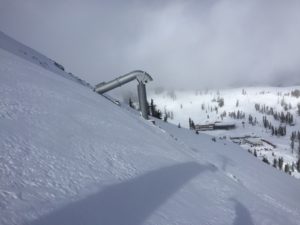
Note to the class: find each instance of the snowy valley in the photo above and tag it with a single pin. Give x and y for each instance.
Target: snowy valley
(265, 119)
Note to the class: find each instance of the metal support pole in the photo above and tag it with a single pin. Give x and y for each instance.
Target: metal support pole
(143, 99)
(141, 76)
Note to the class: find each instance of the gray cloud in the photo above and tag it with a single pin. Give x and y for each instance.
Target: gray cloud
(183, 44)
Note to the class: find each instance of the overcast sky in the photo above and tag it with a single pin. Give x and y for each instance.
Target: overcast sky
(182, 44)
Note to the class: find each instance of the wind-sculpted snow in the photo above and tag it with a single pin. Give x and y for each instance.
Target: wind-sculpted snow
(70, 156)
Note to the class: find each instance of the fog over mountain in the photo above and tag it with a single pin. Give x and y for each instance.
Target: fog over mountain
(182, 44)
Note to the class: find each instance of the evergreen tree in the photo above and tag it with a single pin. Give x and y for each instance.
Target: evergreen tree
(293, 167)
(292, 145)
(280, 163)
(153, 111)
(298, 165)
(275, 163)
(273, 131)
(165, 118)
(250, 119)
(191, 124)
(130, 103)
(265, 160)
(152, 107)
(221, 102)
(295, 93)
(287, 168)
(158, 114)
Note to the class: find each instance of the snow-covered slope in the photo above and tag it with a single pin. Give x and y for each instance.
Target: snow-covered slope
(70, 156)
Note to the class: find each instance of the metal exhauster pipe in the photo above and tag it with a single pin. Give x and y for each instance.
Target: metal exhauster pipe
(143, 99)
(141, 76)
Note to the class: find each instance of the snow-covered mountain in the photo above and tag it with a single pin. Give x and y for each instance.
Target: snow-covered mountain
(70, 156)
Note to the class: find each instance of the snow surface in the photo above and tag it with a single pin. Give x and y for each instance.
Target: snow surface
(70, 156)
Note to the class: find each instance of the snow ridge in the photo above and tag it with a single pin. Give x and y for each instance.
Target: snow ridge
(11, 45)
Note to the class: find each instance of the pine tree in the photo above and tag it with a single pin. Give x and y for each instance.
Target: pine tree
(265, 160)
(221, 102)
(130, 103)
(255, 153)
(280, 163)
(293, 167)
(298, 165)
(275, 163)
(152, 107)
(158, 114)
(287, 168)
(153, 111)
(165, 118)
(250, 119)
(292, 145)
(202, 106)
(191, 124)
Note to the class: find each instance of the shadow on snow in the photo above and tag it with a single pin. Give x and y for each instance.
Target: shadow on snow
(130, 202)
(242, 214)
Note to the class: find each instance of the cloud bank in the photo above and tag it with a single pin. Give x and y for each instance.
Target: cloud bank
(182, 44)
